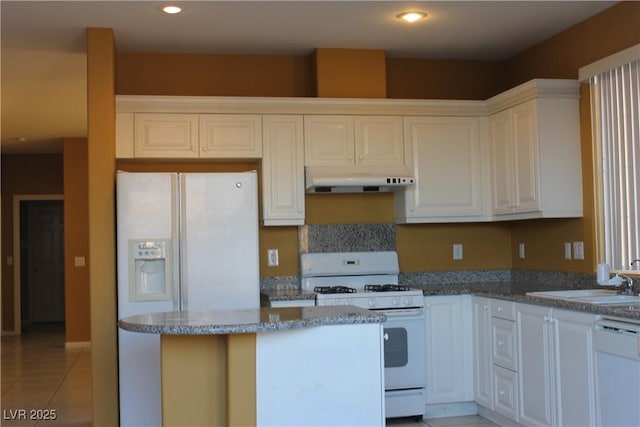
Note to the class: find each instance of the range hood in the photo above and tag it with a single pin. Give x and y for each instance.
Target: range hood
(356, 179)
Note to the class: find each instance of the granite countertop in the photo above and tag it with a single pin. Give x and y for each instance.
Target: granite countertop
(502, 290)
(223, 322)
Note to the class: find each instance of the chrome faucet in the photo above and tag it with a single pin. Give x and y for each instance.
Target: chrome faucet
(628, 282)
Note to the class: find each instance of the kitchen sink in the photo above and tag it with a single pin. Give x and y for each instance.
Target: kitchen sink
(589, 296)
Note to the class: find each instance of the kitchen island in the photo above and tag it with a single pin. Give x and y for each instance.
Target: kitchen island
(270, 366)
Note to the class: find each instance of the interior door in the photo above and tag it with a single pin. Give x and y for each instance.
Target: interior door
(44, 262)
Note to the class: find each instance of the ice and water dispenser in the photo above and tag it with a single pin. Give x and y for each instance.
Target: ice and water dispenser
(150, 270)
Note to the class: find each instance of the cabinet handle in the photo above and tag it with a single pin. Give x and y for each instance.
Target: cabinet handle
(485, 307)
(500, 343)
(501, 392)
(205, 148)
(500, 309)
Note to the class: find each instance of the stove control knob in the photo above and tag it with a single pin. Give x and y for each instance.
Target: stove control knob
(372, 302)
(395, 302)
(407, 300)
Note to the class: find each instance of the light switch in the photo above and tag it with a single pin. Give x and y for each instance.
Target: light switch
(567, 250)
(578, 250)
(457, 251)
(521, 250)
(272, 258)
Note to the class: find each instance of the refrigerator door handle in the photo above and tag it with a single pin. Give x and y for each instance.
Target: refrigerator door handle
(175, 238)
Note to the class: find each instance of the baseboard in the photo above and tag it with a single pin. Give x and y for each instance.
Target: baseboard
(77, 344)
(458, 409)
(499, 419)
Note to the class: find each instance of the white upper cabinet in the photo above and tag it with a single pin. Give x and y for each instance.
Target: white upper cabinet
(378, 141)
(231, 135)
(446, 156)
(165, 135)
(535, 151)
(282, 170)
(347, 140)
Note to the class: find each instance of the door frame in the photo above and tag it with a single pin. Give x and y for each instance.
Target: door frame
(17, 199)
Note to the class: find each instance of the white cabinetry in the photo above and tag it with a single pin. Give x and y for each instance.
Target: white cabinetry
(165, 135)
(348, 140)
(282, 170)
(556, 368)
(230, 136)
(535, 151)
(168, 135)
(504, 358)
(446, 155)
(482, 348)
(449, 349)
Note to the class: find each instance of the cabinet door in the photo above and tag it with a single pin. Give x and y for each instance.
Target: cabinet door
(502, 176)
(505, 392)
(503, 339)
(283, 170)
(482, 362)
(448, 346)
(378, 141)
(165, 135)
(328, 140)
(525, 139)
(231, 136)
(535, 365)
(577, 401)
(446, 158)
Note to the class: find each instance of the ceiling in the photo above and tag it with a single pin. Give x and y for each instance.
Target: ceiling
(43, 43)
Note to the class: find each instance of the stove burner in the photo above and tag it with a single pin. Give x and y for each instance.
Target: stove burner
(333, 290)
(385, 288)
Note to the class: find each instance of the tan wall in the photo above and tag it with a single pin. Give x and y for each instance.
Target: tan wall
(76, 241)
(411, 78)
(101, 114)
(561, 56)
(220, 75)
(349, 73)
(22, 174)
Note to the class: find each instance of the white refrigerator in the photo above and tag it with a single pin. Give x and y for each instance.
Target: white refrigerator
(185, 242)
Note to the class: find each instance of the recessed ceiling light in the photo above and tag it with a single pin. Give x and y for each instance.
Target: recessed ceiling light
(412, 16)
(171, 9)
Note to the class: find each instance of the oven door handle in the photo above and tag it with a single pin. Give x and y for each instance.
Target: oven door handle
(417, 313)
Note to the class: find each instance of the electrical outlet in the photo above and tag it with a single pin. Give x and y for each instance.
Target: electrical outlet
(578, 250)
(79, 261)
(567, 250)
(457, 251)
(521, 250)
(272, 258)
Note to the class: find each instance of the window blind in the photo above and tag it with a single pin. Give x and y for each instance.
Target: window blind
(615, 101)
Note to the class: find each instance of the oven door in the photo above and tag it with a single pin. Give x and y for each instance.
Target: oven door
(404, 356)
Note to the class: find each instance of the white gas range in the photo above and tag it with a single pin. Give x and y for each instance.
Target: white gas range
(370, 280)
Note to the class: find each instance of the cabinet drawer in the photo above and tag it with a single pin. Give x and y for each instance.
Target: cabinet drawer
(504, 343)
(505, 387)
(503, 309)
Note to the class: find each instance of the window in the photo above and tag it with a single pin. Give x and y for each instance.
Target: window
(615, 115)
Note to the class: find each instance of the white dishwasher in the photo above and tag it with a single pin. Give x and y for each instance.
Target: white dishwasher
(617, 345)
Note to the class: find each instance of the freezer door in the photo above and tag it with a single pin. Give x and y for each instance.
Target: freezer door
(146, 211)
(219, 241)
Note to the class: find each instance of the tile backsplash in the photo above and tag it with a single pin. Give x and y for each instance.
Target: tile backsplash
(347, 237)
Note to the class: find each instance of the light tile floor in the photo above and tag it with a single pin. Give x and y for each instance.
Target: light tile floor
(41, 378)
(467, 421)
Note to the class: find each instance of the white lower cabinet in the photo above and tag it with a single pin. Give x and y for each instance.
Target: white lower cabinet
(556, 369)
(449, 349)
(482, 361)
